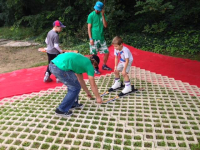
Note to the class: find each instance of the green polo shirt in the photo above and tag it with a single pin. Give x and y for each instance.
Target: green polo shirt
(96, 21)
(75, 62)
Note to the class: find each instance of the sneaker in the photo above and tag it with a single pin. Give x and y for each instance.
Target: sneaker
(96, 71)
(63, 114)
(77, 106)
(105, 67)
(116, 85)
(47, 78)
(58, 81)
(127, 89)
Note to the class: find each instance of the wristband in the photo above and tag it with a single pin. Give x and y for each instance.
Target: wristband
(90, 38)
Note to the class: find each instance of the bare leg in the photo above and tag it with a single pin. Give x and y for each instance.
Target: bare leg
(126, 77)
(117, 74)
(105, 59)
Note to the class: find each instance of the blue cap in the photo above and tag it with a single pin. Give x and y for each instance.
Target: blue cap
(98, 6)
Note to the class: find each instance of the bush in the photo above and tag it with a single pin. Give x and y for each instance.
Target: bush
(173, 43)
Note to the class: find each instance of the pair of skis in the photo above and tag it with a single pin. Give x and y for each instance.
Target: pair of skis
(120, 94)
(112, 90)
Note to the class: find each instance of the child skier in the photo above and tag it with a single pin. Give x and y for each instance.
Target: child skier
(123, 65)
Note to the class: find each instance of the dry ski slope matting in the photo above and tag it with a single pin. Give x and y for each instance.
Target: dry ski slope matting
(166, 115)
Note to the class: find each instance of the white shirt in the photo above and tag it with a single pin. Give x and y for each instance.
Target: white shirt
(124, 53)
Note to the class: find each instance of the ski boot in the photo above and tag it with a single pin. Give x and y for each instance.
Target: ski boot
(127, 90)
(116, 86)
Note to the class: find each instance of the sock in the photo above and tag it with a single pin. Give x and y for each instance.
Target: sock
(127, 83)
(116, 79)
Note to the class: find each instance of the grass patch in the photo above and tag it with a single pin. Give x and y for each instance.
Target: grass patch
(16, 34)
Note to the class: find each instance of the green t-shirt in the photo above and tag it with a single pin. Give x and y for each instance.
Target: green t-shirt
(96, 21)
(75, 62)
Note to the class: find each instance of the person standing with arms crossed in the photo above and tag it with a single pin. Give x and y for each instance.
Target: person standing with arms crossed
(96, 24)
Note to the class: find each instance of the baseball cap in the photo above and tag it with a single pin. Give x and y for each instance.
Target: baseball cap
(58, 24)
(98, 6)
(95, 57)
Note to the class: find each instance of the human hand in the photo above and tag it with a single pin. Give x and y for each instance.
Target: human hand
(91, 42)
(103, 12)
(124, 72)
(99, 100)
(89, 95)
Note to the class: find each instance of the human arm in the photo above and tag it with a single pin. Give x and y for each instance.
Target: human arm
(83, 85)
(95, 89)
(46, 41)
(90, 34)
(57, 47)
(105, 24)
(125, 66)
(56, 43)
(116, 62)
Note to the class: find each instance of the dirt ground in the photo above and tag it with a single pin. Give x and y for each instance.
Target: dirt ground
(19, 58)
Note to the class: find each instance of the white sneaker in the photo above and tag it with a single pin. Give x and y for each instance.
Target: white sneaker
(116, 85)
(127, 89)
(47, 78)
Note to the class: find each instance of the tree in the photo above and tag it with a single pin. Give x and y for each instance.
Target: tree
(155, 11)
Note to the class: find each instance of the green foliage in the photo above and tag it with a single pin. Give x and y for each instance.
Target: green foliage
(155, 28)
(153, 6)
(183, 42)
(16, 34)
(173, 43)
(185, 14)
(82, 48)
(154, 10)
